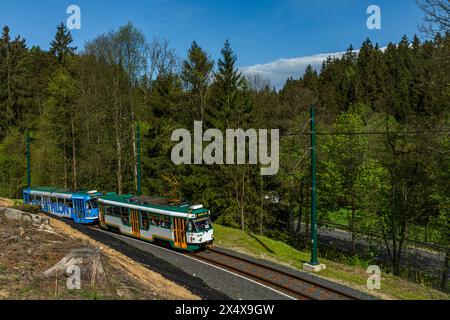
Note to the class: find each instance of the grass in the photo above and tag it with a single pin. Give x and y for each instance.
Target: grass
(355, 276)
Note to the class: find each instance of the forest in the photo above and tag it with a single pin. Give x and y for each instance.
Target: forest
(382, 118)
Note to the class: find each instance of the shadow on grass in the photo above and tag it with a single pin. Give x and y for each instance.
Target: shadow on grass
(260, 242)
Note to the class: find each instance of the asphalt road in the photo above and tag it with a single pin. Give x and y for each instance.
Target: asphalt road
(420, 259)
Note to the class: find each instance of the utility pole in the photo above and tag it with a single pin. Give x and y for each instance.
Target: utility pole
(314, 264)
(138, 149)
(28, 159)
(314, 260)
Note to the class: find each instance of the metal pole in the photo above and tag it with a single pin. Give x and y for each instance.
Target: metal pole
(314, 260)
(138, 148)
(28, 159)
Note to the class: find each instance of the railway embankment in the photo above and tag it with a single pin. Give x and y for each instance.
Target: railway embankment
(44, 258)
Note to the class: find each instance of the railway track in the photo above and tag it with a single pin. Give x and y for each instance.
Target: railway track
(294, 286)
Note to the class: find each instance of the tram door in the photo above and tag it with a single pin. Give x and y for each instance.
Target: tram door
(78, 206)
(179, 226)
(26, 198)
(102, 215)
(135, 228)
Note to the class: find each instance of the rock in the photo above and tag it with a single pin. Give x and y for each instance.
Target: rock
(13, 238)
(45, 226)
(21, 231)
(35, 219)
(27, 238)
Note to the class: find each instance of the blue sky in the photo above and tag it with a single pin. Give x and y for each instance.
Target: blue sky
(261, 31)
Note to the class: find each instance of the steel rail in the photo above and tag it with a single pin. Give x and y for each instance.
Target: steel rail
(320, 288)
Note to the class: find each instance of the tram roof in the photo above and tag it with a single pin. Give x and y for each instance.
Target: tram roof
(145, 203)
(51, 190)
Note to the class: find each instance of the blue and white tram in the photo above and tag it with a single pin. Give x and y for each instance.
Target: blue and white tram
(82, 206)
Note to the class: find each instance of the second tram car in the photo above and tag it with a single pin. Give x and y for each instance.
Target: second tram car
(182, 226)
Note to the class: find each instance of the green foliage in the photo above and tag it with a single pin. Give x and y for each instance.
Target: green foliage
(82, 108)
(60, 46)
(196, 75)
(14, 100)
(12, 163)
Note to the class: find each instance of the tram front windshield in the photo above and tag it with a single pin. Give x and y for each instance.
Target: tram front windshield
(203, 223)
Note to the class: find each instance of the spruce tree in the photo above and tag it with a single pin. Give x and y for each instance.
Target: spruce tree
(227, 83)
(13, 80)
(196, 75)
(60, 46)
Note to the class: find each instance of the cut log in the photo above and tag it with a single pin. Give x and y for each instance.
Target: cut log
(88, 260)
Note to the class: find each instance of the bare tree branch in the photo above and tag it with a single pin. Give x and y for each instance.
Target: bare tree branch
(437, 17)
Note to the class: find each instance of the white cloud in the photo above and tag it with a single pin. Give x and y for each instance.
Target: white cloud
(280, 70)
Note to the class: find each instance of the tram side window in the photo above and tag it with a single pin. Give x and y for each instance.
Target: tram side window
(36, 198)
(53, 200)
(125, 216)
(154, 221)
(145, 223)
(108, 210)
(69, 203)
(116, 212)
(165, 222)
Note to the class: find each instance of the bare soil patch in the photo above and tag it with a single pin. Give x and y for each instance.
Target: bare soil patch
(5, 202)
(26, 252)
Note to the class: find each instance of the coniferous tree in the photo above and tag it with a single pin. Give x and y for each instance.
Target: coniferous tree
(228, 81)
(13, 80)
(60, 47)
(196, 74)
